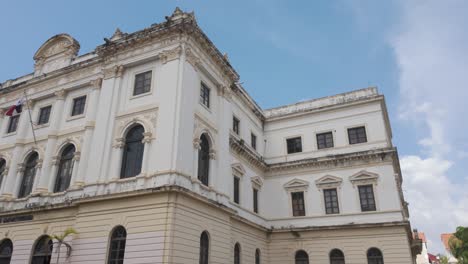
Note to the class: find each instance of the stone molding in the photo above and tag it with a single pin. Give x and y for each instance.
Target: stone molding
(328, 181)
(296, 185)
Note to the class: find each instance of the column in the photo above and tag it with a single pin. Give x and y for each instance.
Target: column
(146, 152)
(37, 177)
(79, 177)
(17, 179)
(53, 172)
(116, 159)
(57, 111)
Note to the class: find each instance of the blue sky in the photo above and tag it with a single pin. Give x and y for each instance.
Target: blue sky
(416, 52)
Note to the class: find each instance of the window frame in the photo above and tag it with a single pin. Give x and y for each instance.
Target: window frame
(357, 127)
(318, 134)
(138, 144)
(24, 191)
(237, 253)
(40, 115)
(291, 194)
(253, 140)
(325, 191)
(110, 245)
(236, 182)
(9, 243)
(258, 256)
(3, 170)
(205, 98)
(292, 138)
(204, 179)
(371, 186)
(307, 260)
(142, 72)
(9, 130)
(255, 206)
(73, 100)
(236, 125)
(65, 161)
(374, 258)
(336, 259)
(46, 240)
(204, 259)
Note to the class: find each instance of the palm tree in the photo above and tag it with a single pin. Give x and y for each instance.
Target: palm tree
(60, 240)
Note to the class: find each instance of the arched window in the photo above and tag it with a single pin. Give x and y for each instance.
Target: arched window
(2, 171)
(204, 160)
(65, 169)
(301, 257)
(374, 256)
(42, 251)
(337, 257)
(117, 246)
(28, 176)
(133, 152)
(6, 250)
(257, 256)
(237, 254)
(204, 248)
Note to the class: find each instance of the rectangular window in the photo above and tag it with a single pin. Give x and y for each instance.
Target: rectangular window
(78, 105)
(253, 141)
(142, 83)
(298, 203)
(44, 114)
(331, 201)
(255, 200)
(13, 124)
(294, 145)
(325, 140)
(357, 135)
(205, 95)
(235, 125)
(236, 189)
(366, 196)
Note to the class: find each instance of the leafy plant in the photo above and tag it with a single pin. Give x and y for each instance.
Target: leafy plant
(458, 244)
(59, 240)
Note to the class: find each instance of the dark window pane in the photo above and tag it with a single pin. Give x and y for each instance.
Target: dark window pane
(357, 135)
(205, 95)
(78, 105)
(204, 248)
(301, 257)
(253, 140)
(331, 201)
(294, 145)
(13, 124)
(42, 251)
(204, 160)
(235, 125)
(44, 115)
(28, 176)
(6, 250)
(374, 256)
(236, 189)
(2, 170)
(366, 196)
(257, 256)
(117, 245)
(237, 254)
(65, 169)
(142, 83)
(255, 200)
(298, 203)
(337, 257)
(325, 140)
(132, 158)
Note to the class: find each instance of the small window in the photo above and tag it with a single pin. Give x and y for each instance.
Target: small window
(298, 203)
(65, 169)
(117, 246)
(294, 145)
(237, 254)
(44, 114)
(357, 135)
(2, 171)
(366, 196)
(205, 95)
(257, 256)
(253, 141)
(255, 200)
(325, 140)
(42, 251)
(331, 201)
(78, 105)
(235, 125)
(6, 250)
(13, 124)
(142, 83)
(204, 248)
(29, 174)
(301, 257)
(374, 256)
(337, 257)
(132, 158)
(204, 160)
(236, 189)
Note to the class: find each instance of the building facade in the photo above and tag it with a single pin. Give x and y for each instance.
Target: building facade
(153, 152)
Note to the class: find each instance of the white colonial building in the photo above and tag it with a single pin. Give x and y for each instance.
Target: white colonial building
(153, 152)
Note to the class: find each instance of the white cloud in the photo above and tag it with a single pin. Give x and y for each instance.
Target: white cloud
(431, 49)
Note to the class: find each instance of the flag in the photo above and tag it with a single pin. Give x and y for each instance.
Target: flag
(16, 108)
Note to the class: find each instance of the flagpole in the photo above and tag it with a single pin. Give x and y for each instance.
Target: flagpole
(30, 118)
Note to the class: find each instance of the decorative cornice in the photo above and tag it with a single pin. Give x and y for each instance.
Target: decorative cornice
(60, 94)
(253, 158)
(113, 72)
(169, 55)
(328, 181)
(96, 83)
(191, 58)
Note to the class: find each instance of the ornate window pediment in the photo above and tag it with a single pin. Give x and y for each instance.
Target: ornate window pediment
(238, 169)
(296, 185)
(364, 177)
(328, 181)
(257, 182)
(57, 52)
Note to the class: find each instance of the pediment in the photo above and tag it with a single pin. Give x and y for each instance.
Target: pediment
(257, 181)
(57, 52)
(329, 180)
(364, 176)
(296, 183)
(238, 169)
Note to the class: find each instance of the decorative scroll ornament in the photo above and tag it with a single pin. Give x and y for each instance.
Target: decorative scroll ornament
(60, 94)
(169, 55)
(113, 72)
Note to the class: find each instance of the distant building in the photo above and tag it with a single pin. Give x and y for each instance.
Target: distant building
(152, 150)
(422, 258)
(445, 240)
